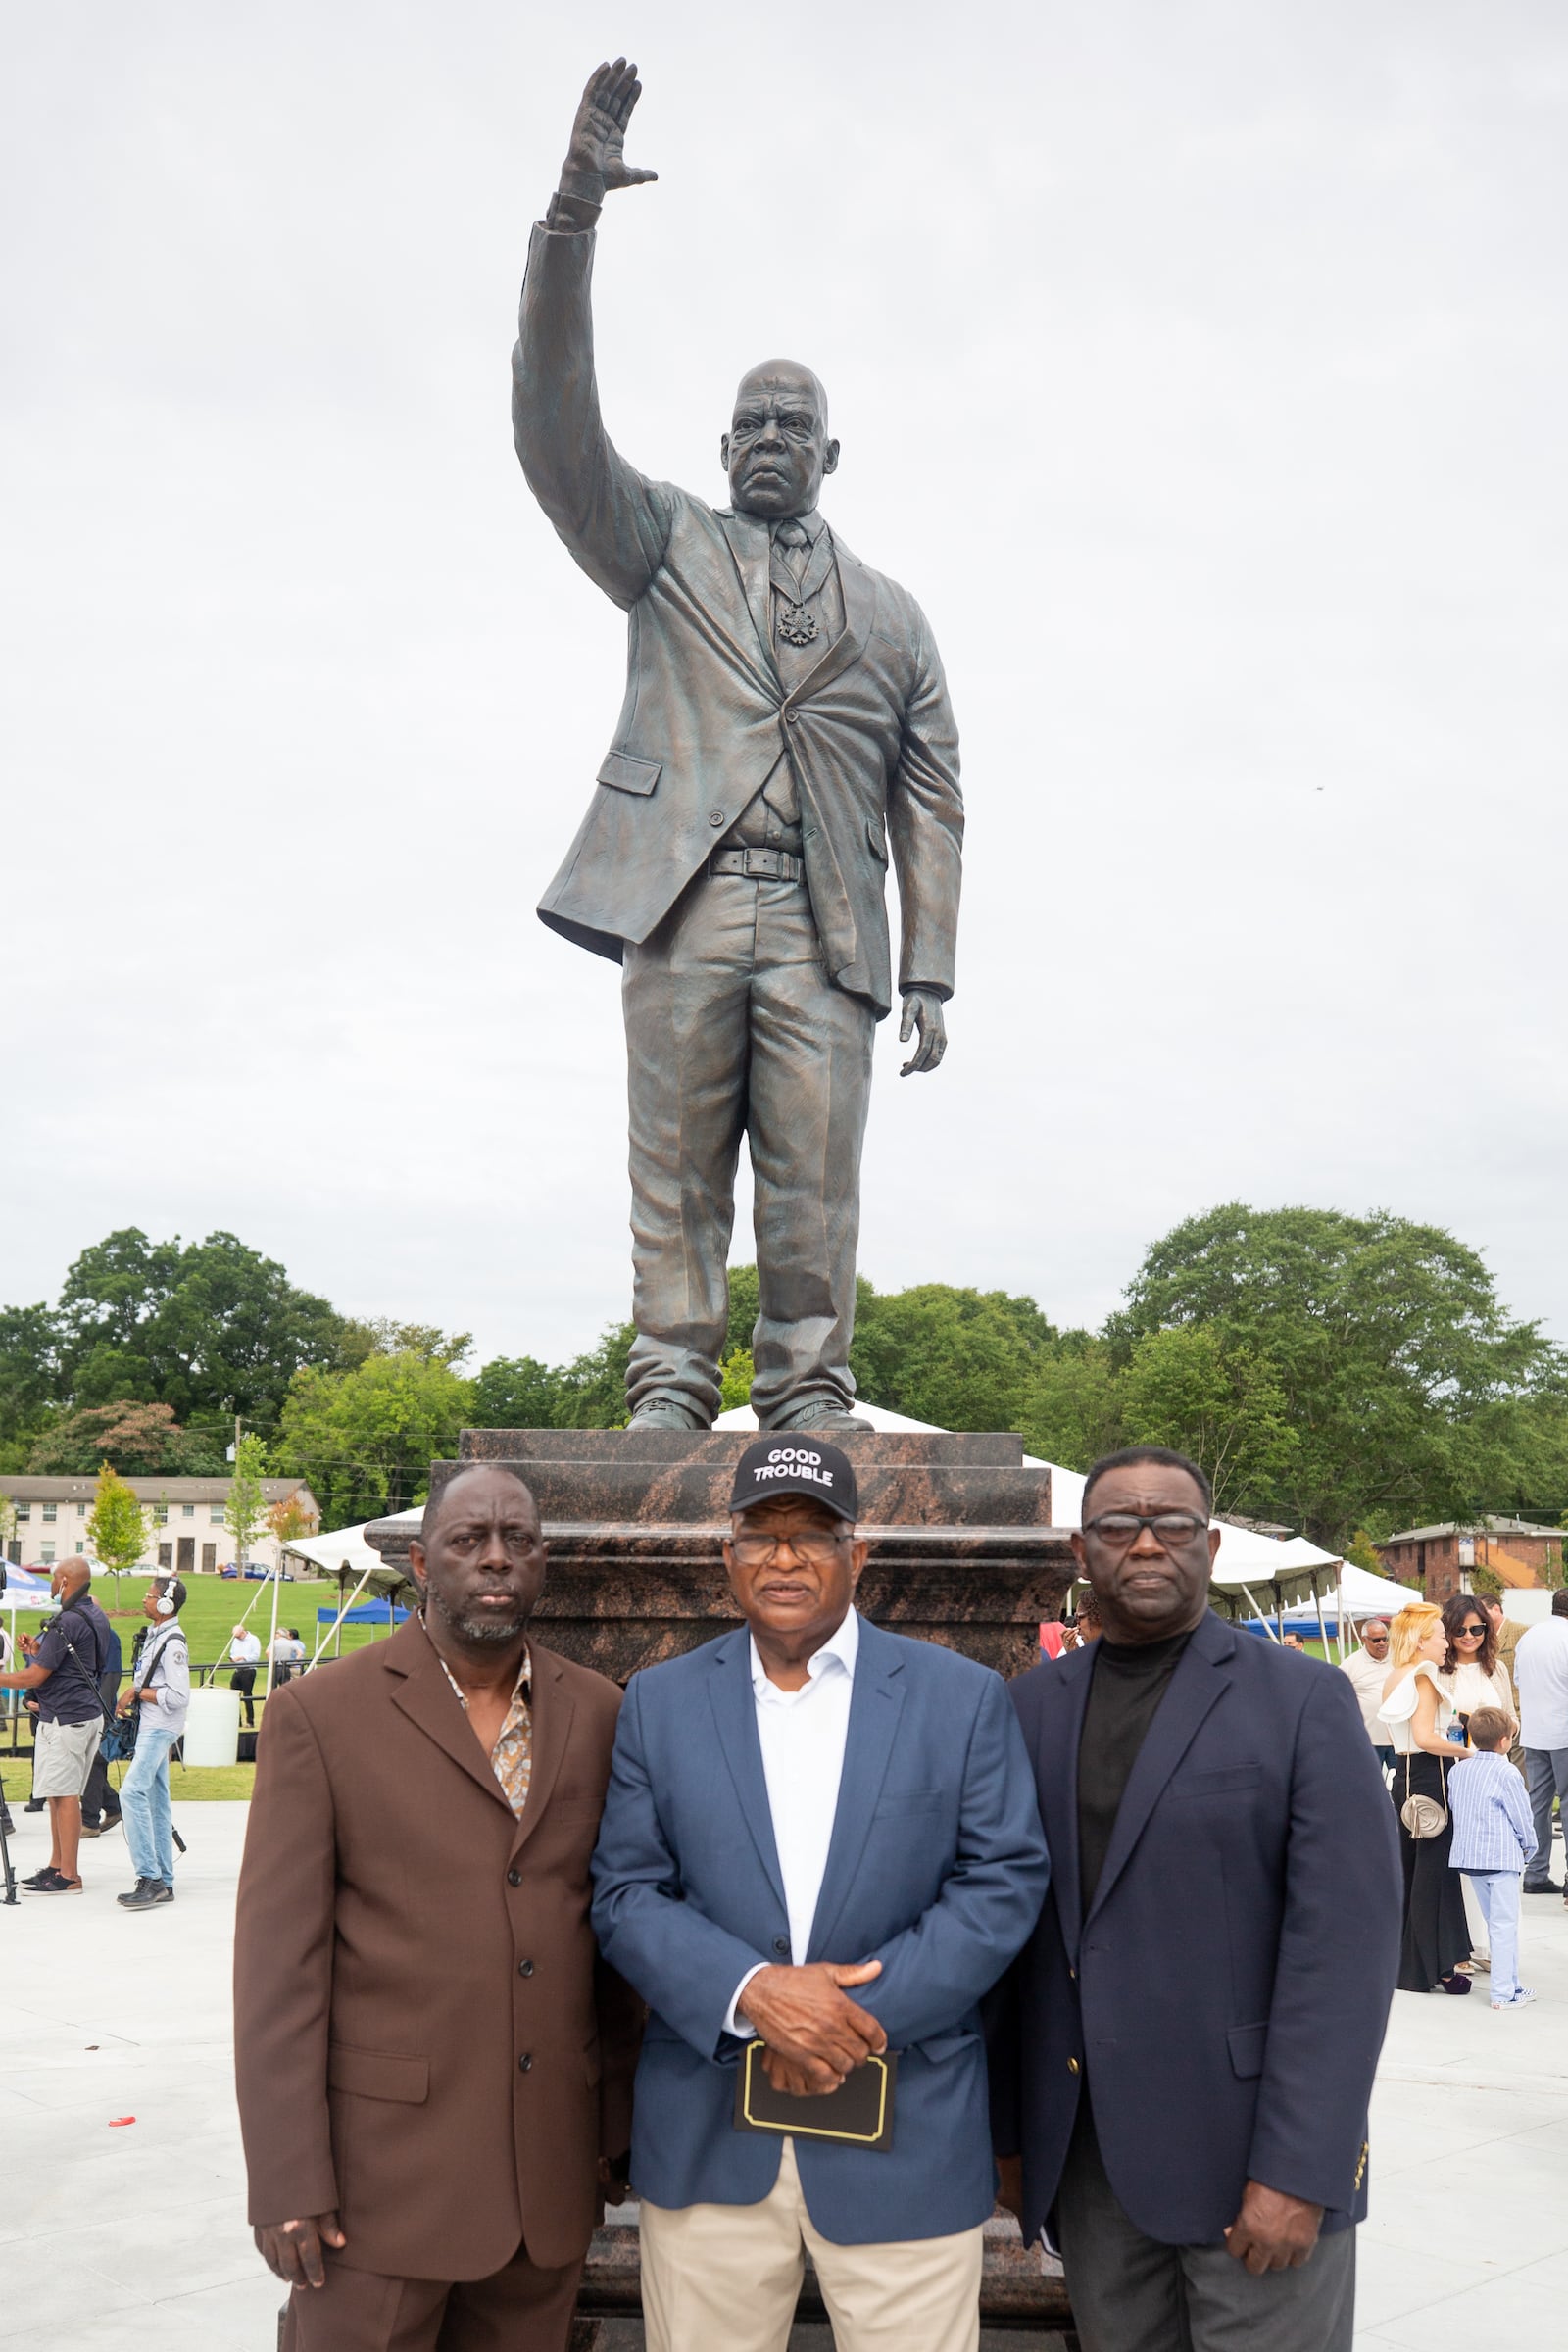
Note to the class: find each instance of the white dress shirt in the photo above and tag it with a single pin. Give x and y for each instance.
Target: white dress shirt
(1366, 1675)
(801, 1736)
(1541, 1670)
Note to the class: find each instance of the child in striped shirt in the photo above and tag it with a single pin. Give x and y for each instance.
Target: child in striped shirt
(1494, 1838)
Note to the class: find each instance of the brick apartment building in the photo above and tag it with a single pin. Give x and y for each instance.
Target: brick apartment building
(1442, 1557)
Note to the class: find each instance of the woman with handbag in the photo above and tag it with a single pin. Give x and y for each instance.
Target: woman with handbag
(1419, 1715)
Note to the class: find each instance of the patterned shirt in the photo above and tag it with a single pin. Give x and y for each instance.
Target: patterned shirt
(1493, 1827)
(511, 1757)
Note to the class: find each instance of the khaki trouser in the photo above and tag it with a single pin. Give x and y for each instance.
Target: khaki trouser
(724, 2279)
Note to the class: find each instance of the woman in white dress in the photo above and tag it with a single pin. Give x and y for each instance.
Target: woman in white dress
(1473, 1673)
(1419, 1714)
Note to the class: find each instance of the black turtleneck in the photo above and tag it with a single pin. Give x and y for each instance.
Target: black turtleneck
(1127, 1683)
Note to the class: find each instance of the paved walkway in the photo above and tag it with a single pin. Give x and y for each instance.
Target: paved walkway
(106, 2014)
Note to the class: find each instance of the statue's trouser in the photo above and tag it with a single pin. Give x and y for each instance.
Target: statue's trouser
(734, 1029)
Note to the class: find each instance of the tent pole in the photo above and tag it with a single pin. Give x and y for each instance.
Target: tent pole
(277, 1579)
(1323, 1631)
(1260, 1612)
(344, 1606)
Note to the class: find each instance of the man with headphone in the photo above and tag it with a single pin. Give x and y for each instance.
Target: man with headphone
(159, 1685)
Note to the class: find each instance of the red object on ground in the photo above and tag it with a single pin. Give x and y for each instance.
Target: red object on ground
(114, 2120)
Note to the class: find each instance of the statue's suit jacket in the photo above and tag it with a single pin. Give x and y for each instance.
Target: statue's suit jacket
(1226, 1995)
(706, 719)
(403, 1939)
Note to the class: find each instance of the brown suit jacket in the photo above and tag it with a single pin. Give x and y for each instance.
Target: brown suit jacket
(424, 2036)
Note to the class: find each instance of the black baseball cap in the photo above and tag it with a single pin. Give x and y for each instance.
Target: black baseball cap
(782, 1464)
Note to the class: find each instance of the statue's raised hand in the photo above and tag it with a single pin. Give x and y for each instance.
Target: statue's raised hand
(596, 160)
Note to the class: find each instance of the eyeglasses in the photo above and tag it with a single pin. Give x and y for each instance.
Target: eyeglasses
(815, 1544)
(1117, 1529)
(1472, 1633)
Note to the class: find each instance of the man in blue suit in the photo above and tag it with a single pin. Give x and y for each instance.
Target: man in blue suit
(1183, 2056)
(805, 1809)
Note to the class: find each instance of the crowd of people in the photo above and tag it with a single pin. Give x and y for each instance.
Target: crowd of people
(1466, 1711)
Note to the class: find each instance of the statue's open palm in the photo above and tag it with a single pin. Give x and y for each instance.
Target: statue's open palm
(598, 148)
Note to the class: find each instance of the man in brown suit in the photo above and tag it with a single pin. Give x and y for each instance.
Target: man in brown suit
(434, 2066)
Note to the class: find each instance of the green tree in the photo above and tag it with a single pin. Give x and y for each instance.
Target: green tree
(1221, 1405)
(117, 1527)
(960, 1358)
(145, 1440)
(735, 1377)
(246, 1508)
(30, 1379)
(212, 1329)
(1071, 1408)
(365, 1439)
(516, 1391)
(1406, 1385)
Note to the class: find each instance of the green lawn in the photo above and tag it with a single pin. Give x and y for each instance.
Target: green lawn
(211, 1612)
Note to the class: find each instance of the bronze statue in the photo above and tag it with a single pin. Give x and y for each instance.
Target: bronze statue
(786, 727)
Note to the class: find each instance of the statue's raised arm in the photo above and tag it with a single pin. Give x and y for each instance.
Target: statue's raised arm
(614, 522)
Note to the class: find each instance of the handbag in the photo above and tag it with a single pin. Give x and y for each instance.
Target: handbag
(1422, 1816)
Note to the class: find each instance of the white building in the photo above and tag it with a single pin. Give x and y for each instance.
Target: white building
(47, 1519)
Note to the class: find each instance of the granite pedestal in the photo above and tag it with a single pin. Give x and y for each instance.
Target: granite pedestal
(962, 1549)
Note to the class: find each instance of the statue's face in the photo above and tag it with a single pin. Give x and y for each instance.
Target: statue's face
(777, 448)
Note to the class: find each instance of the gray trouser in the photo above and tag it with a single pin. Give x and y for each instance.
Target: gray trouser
(1546, 1776)
(734, 1029)
(1132, 2294)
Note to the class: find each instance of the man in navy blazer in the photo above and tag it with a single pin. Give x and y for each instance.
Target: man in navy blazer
(805, 1808)
(1183, 2056)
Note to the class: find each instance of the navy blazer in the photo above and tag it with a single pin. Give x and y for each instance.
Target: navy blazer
(936, 1868)
(1226, 1996)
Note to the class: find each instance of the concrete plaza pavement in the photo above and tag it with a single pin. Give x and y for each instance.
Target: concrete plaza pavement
(106, 2014)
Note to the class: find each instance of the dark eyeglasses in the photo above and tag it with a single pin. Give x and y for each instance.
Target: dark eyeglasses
(1468, 1632)
(1119, 1529)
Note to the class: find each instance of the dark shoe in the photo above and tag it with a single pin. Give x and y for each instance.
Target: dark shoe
(37, 1878)
(665, 1416)
(144, 1894)
(53, 1883)
(1454, 1984)
(1543, 1886)
(34, 1804)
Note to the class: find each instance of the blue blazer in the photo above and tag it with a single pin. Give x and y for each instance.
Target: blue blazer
(1227, 1994)
(936, 1868)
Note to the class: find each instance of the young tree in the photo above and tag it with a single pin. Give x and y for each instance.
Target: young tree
(246, 1508)
(117, 1527)
(288, 1520)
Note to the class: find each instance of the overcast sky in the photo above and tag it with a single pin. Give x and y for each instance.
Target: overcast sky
(1194, 365)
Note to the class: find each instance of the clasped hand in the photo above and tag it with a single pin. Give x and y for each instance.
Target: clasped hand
(815, 2034)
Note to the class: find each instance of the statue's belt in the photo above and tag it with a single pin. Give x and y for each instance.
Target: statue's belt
(759, 864)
